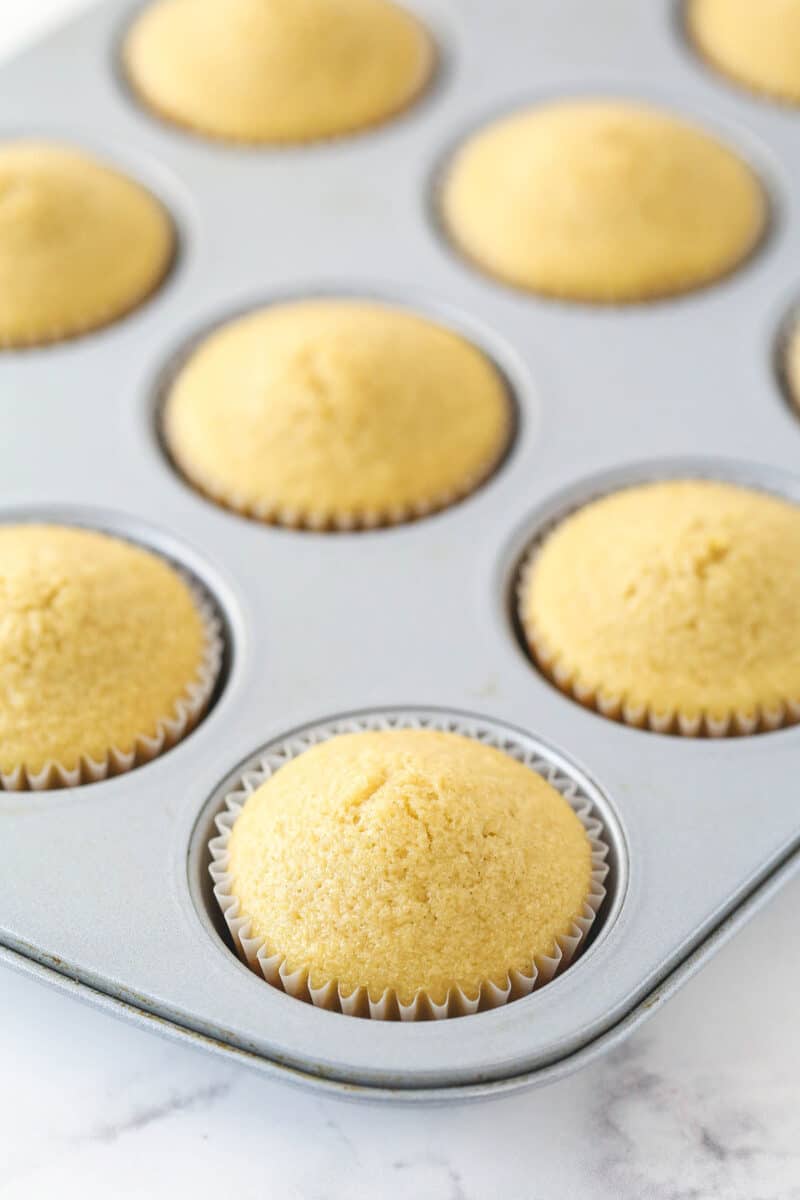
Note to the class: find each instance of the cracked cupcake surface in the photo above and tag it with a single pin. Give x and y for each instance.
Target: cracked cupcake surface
(408, 860)
(277, 70)
(601, 200)
(674, 599)
(99, 642)
(757, 45)
(80, 243)
(334, 412)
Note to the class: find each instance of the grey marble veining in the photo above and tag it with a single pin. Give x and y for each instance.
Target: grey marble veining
(703, 1103)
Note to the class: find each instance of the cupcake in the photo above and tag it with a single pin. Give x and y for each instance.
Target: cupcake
(107, 657)
(407, 873)
(80, 244)
(601, 200)
(672, 605)
(790, 361)
(336, 414)
(277, 71)
(757, 45)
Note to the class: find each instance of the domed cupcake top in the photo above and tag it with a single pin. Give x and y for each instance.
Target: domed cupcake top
(758, 45)
(277, 70)
(601, 200)
(100, 641)
(80, 244)
(336, 413)
(409, 860)
(678, 597)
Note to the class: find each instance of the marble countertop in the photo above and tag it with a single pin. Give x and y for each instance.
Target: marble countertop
(704, 1101)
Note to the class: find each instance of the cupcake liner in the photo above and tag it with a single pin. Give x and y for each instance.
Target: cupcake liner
(673, 286)
(773, 94)
(42, 337)
(188, 710)
(328, 993)
(274, 513)
(429, 70)
(674, 289)
(788, 333)
(734, 723)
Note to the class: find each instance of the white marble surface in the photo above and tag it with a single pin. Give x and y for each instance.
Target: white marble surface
(702, 1102)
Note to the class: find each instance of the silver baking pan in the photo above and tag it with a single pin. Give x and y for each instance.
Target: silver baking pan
(106, 889)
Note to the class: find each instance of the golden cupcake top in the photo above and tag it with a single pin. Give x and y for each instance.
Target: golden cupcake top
(277, 70)
(601, 200)
(675, 597)
(756, 44)
(99, 641)
(80, 244)
(407, 860)
(336, 412)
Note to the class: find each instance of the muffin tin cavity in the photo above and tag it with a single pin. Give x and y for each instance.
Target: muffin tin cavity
(786, 358)
(83, 242)
(207, 877)
(598, 212)
(248, 74)
(321, 378)
(704, 540)
(755, 47)
(173, 688)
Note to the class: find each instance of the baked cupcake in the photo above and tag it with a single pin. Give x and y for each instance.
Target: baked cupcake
(757, 45)
(106, 656)
(277, 71)
(80, 244)
(790, 361)
(336, 414)
(601, 200)
(672, 605)
(407, 872)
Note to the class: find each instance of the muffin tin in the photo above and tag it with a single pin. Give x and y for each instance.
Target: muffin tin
(109, 891)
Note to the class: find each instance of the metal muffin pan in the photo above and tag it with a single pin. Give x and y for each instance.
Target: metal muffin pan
(106, 888)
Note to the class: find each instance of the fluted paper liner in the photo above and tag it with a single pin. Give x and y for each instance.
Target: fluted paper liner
(701, 724)
(273, 513)
(187, 711)
(427, 75)
(328, 993)
(39, 337)
(44, 337)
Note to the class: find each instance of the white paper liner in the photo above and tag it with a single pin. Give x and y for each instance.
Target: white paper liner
(730, 75)
(328, 994)
(429, 67)
(187, 711)
(788, 333)
(273, 513)
(762, 719)
(40, 338)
